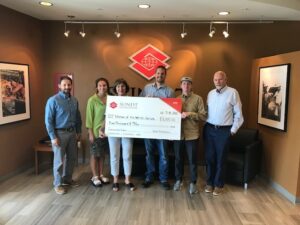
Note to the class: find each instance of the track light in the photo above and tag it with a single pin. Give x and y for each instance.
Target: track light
(82, 33)
(212, 30)
(117, 32)
(67, 32)
(183, 33)
(225, 32)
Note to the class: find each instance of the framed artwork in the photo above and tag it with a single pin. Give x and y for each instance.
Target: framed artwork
(56, 79)
(14, 95)
(273, 96)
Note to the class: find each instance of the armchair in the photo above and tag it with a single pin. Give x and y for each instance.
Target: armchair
(243, 157)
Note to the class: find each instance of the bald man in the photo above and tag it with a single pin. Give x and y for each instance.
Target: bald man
(224, 119)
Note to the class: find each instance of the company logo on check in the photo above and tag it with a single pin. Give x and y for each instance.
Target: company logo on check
(147, 59)
(113, 105)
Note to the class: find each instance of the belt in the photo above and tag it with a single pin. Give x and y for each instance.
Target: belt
(218, 127)
(70, 129)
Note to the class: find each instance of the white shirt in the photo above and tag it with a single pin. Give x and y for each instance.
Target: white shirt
(225, 108)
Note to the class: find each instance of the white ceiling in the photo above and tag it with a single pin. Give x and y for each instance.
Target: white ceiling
(179, 10)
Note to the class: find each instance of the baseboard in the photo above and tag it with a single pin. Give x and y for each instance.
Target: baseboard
(281, 190)
(28, 168)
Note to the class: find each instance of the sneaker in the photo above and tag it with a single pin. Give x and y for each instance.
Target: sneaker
(147, 184)
(217, 191)
(208, 189)
(193, 188)
(71, 183)
(60, 190)
(96, 182)
(165, 185)
(177, 186)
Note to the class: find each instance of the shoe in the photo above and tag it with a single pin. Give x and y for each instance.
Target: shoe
(193, 189)
(165, 185)
(208, 189)
(103, 179)
(131, 186)
(147, 184)
(115, 187)
(96, 182)
(60, 190)
(217, 191)
(71, 183)
(177, 186)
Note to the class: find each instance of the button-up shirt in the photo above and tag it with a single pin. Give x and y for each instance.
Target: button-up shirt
(190, 129)
(151, 90)
(225, 108)
(62, 111)
(95, 114)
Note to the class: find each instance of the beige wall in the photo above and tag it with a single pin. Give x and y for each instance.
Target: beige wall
(21, 42)
(281, 158)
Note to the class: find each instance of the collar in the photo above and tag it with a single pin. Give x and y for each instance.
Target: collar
(221, 90)
(161, 86)
(62, 94)
(186, 96)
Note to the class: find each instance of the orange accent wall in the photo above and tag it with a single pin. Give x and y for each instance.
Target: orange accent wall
(281, 157)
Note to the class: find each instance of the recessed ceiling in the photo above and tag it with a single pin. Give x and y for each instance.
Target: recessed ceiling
(97, 10)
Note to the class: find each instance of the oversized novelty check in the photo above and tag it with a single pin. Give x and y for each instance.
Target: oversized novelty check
(143, 117)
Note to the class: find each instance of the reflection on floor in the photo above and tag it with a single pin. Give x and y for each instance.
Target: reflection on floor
(28, 199)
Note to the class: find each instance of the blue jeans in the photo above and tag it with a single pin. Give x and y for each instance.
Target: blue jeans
(114, 149)
(161, 145)
(191, 149)
(64, 157)
(216, 144)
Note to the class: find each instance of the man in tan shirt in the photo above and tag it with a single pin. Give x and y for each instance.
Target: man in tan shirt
(192, 112)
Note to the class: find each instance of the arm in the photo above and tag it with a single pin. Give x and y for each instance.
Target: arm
(238, 118)
(200, 112)
(91, 135)
(89, 121)
(102, 130)
(50, 120)
(78, 123)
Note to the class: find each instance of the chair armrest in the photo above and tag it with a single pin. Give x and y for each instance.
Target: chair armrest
(252, 160)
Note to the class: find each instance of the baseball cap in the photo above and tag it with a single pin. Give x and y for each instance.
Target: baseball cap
(186, 79)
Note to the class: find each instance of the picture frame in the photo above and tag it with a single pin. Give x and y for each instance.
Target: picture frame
(273, 95)
(14, 94)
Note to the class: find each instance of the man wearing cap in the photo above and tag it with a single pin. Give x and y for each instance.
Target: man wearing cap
(192, 112)
(224, 119)
(158, 89)
(63, 123)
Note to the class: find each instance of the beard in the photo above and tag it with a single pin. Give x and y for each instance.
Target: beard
(67, 91)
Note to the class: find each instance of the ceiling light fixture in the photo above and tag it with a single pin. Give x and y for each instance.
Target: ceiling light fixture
(67, 32)
(46, 3)
(212, 30)
(225, 32)
(117, 32)
(183, 33)
(224, 13)
(144, 6)
(82, 33)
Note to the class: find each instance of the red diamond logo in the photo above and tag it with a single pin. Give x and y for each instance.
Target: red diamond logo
(113, 105)
(147, 59)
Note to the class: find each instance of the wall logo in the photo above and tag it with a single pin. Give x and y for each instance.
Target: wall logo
(147, 59)
(113, 105)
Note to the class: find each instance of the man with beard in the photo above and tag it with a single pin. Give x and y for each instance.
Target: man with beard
(158, 89)
(63, 123)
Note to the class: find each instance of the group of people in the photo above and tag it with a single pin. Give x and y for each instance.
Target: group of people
(223, 117)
